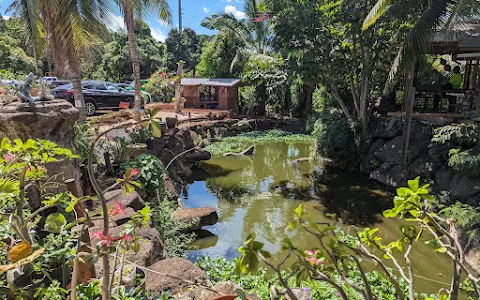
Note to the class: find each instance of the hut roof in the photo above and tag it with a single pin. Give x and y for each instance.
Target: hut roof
(227, 82)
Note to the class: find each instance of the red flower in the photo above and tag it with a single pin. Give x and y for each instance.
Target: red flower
(9, 157)
(104, 239)
(134, 173)
(118, 208)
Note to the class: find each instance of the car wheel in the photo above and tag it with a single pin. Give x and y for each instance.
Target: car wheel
(90, 108)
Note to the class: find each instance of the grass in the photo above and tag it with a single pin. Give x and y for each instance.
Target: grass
(241, 142)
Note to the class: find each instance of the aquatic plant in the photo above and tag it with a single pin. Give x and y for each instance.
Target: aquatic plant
(241, 142)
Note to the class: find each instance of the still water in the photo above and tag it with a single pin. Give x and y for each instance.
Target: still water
(258, 193)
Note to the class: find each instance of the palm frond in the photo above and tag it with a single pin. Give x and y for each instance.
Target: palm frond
(375, 13)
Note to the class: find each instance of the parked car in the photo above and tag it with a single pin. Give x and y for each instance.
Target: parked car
(97, 95)
(131, 86)
(146, 97)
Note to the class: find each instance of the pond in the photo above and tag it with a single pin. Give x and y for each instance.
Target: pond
(258, 193)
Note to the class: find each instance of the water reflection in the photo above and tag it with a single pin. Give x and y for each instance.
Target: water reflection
(259, 193)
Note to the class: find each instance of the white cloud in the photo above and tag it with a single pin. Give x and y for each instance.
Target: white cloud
(6, 17)
(206, 10)
(158, 35)
(228, 1)
(230, 9)
(115, 22)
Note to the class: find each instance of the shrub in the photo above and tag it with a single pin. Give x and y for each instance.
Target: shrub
(160, 87)
(338, 139)
(151, 173)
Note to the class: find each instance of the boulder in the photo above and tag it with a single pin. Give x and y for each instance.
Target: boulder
(392, 176)
(196, 217)
(370, 162)
(390, 152)
(442, 179)
(227, 288)
(464, 189)
(438, 153)
(171, 122)
(422, 167)
(473, 259)
(132, 200)
(385, 128)
(121, 219)
(178, 268)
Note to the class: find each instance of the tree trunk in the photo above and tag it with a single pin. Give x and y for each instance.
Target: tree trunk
(178, 88)
(336, 95)
(308, 94)
(132, 43)
(76, 79)
(409, 102)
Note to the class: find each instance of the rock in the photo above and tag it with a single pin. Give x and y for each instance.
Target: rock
(196, 156)
(50, 120)
(385, 128)
(464, 189)
(473, 259)
(121, 219)
(370, 162)
(187, 138)
(197, 217)
(177, 268)
(422, 167)
(171, 122)
(227, 288)
(132, 200)
(243, 125)
(442, 179)
(391, 177)
(438, 153)
(390, 151)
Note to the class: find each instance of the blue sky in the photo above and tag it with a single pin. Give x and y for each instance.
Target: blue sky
(193, 12)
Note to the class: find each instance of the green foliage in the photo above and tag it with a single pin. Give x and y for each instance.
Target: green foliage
(217, 57)
(51, 292)
(188, 50)
(461, 134)
(113, 63)
(14, 61)
(173, 233)
(140, 134)
(241, 142)
(151, 173)
(160, 86)
(338, 139)
(84, 134)
(467, 217)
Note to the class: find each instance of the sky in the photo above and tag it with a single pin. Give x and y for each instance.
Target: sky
(193, 13)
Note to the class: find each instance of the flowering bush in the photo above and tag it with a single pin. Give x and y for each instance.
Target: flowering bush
(160, 86)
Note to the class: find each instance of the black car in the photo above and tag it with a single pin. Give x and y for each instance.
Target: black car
(97, 94)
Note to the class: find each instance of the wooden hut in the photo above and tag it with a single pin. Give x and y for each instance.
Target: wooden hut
(221, 93)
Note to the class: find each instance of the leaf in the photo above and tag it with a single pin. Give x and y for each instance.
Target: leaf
(390, 213)
(257, 245)
(413, 184)
(299, 211)
(441, 250)
(55, 223)
(403, 192)
(19, 251)
(250, 238)
(156, 130)
(27, 260)
(153, 112)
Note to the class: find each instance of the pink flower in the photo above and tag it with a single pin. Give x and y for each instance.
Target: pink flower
(126, 237)
(110, 137)
(104, 239)
(134, 173)
(118, 208)
(9, 157)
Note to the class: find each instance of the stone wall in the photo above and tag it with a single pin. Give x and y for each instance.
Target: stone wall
(425, 159)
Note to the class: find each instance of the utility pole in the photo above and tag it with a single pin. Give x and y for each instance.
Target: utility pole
(180, 16)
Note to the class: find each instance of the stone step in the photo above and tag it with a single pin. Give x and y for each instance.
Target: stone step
(196, 217)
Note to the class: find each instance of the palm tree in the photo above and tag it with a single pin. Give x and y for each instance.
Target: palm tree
(428, 17)
(255, 35)
(71, 27)
(132, 9)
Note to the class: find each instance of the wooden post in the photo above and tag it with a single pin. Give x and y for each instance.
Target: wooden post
(178, 88)
(409, 104)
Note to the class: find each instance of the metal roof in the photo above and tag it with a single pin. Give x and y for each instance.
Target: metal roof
(463, 39)
(228, 82)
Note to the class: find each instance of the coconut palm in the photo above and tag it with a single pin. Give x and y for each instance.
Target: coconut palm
(71, 27)
(428, 17)
(132, 9)
(254, 33)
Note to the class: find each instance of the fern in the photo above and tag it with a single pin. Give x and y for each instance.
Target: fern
(467, 217)
(460, 132)
(465, 162)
